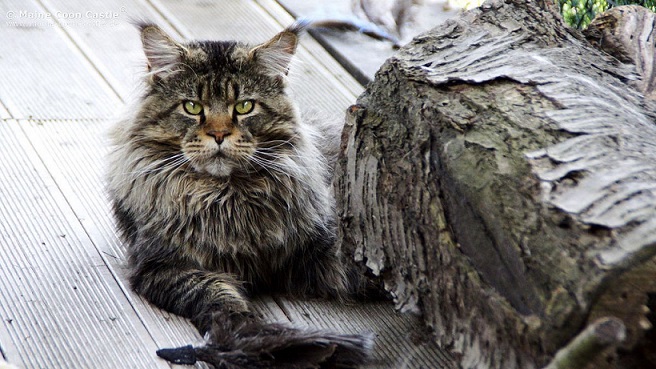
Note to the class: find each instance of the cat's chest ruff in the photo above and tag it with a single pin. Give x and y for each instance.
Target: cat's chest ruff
(236, 220)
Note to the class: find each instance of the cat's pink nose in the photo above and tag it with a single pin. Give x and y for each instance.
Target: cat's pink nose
(219, 135)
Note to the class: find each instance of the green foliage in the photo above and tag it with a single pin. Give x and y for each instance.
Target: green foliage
(579, 13)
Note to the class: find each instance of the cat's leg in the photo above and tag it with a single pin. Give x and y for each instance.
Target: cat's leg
(318, 270)
(185, 289)
(235, 338)
(321, 271)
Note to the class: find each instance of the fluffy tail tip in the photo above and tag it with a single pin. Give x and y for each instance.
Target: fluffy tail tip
(355, 349)
(185, 355)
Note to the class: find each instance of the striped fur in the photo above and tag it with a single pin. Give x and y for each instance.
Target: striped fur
(209, 220)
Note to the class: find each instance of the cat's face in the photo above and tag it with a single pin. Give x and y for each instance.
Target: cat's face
(221, 106)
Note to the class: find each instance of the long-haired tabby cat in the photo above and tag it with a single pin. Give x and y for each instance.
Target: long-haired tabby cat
(220, 190)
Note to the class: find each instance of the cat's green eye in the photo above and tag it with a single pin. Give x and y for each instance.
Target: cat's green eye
(192, 107)
(244, 106)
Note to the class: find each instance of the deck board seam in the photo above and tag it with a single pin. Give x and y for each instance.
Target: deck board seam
(158, 8)
(351, 68)
(86, 232)
(357, 75)
(171, 20)
(44, 173)
(78, 48)
(3, 109)
(283, 308)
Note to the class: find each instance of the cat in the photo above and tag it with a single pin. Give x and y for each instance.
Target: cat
(220, 191)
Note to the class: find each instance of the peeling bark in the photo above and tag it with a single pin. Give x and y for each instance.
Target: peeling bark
(499, 177)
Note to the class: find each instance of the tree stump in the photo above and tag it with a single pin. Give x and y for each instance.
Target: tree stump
(499, 177)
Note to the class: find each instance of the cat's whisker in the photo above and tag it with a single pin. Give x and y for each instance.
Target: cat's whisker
(161, 164)
(278, 167)
(277, 154)
(276, 148)
(245, 163)
(287, 142)
(301, 172)
(277, 157)
(190, 68)
(269, 165)
(252, 163)
(273, 144)
(168, 164)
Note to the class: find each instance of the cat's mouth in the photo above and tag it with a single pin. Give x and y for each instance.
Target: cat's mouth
(218, 164)
(219, 155)
(220, 159)
(215, 160)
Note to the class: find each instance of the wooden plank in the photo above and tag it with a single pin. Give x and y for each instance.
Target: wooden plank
(59, 305)
(4, 337)
(320, 55)
(362, 56)
(399, 343)
(113, 45)
(4, 114)
(316, 87)
(43, 74)
(81, 179)
(357, 53)
(73, 152)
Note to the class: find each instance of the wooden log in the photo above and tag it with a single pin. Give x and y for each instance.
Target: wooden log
(585, 347)
(627, 33)
(499, 177)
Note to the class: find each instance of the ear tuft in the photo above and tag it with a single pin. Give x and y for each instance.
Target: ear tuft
(276, 54)
(163, 53)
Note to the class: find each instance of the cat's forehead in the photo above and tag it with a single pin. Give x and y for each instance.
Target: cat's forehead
(220, 55)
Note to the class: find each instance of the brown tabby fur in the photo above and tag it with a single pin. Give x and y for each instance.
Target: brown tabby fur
(220, 204)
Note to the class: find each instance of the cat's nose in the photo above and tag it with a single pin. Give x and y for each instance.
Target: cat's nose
(219, 135)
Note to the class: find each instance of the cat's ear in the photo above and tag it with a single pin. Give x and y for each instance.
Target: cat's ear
(276, 54)
(163, 53)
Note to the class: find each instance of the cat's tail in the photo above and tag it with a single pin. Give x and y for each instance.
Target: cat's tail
(248, 343)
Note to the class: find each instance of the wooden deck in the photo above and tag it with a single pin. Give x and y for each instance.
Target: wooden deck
(64, 79)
